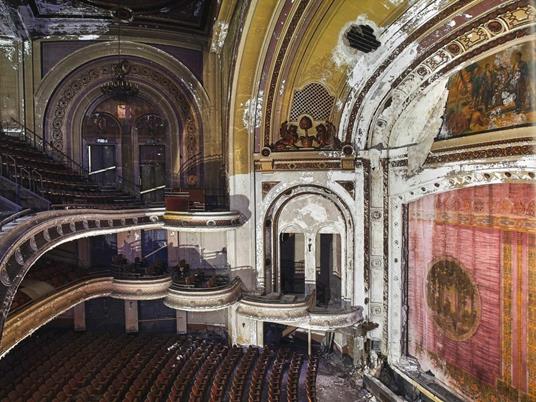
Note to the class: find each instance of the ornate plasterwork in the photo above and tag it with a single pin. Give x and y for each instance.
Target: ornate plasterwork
(431, 181)
(72, 86)
(269, 233)
(277, 69)
(52, 228)
(392, 54)
(428, 65)
(204, 299)
(88, 78)
(464, 45)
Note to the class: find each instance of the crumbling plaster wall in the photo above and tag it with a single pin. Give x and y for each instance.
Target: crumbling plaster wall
(310, 214)
(11, 81)
(355, 288)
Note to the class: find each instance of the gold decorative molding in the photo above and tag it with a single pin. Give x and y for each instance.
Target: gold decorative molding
(27, 320)
(182, 220)
(140, 289)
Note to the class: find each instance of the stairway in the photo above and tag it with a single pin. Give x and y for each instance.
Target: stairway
(13, 221)
(52, 180)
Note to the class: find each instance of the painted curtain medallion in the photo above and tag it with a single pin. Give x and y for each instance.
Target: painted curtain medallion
(496, 92)
(453, 299)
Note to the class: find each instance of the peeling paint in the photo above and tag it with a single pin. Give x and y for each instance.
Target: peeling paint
(343, 55)
(252, 115)
(221, 28)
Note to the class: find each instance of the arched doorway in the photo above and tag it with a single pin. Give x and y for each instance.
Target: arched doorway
(127, 138)
(310, 248)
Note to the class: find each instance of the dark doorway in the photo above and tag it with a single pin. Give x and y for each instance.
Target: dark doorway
(153, 172)
(292, 262)
(328, 269)
(102, 164)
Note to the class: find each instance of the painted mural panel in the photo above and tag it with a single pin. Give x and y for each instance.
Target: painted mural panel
(472, 290)
(496, 92)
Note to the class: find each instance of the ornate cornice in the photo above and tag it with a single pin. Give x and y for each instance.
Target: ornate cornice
(294, 164)
(489, 150)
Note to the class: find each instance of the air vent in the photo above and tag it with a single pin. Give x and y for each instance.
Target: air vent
(361, 37)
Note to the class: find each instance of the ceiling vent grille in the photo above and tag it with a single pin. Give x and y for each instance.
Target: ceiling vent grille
(361, 37)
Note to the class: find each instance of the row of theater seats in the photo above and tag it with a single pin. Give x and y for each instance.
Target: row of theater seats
(34, 169)
(68, 366)
(53, 272)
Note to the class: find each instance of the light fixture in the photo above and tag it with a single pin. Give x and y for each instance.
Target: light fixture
(119, 87)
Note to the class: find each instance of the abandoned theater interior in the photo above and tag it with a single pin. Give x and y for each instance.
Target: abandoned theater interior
(267, 200)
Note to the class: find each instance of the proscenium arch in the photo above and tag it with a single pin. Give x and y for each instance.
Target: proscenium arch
(390, 134)
(364, 105)
(270, 233)
(422, 186)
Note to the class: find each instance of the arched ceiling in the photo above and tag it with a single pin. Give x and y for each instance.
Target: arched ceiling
(288, 44)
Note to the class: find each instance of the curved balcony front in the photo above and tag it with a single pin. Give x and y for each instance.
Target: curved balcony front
(332, 319)
(201, 221)
(185, 298)
(27, 319)
(141, 288)
(282, 309)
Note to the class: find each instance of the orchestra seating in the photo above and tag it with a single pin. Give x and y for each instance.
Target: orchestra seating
(56, 365)
(37, 171)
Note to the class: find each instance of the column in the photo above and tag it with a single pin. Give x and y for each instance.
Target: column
(79, 317)
(131, 316)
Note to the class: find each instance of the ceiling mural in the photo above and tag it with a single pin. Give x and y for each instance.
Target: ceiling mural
(53, 17)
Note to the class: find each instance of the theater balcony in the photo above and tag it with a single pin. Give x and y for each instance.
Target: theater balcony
(277, 308)
(66, 292)
(141, 288)
(188, 297)
(333, 317)
(193, 210)
(300, 312)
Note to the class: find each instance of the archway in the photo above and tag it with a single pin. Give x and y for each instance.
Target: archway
(309, 242)
(68, 94)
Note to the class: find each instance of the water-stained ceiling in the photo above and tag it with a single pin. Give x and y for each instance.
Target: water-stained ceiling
(40, 18)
